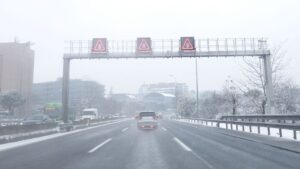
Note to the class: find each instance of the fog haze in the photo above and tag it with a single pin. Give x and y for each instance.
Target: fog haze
(47, 24)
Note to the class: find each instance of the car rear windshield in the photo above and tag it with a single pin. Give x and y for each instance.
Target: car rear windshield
(142, 114)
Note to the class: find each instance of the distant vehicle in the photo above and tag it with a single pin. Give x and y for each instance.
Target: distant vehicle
(89, 114)
(147, 120)
(36, 119)
(66, 126)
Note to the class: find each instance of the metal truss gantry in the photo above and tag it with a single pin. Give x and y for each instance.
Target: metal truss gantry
(124, 49)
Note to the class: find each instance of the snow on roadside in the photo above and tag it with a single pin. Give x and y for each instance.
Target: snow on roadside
(274, 132)
(13, 136)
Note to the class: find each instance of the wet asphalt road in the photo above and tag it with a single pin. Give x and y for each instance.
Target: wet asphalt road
(172, 145)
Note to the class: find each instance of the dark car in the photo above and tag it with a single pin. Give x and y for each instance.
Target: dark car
(66, 126)
(147, 120)
(37, 119)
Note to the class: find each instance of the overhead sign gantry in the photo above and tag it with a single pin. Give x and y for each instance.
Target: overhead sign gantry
(184, 47)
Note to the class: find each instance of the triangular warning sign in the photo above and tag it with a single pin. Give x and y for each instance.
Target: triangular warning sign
(187, 45)
(144, 46)
(99, 45)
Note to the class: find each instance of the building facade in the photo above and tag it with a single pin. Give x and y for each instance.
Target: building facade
(82, 94)
(164, 88)
(161, 96)
(16, 71)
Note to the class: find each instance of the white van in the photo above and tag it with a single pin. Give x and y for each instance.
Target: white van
(89, 114)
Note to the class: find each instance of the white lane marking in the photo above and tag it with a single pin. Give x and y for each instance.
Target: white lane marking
(125, 129)
(203, 160)
(7, 146)
(164, 129)
(99, 146)
(185, 147)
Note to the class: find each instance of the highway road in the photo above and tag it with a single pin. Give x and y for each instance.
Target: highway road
(173, 145)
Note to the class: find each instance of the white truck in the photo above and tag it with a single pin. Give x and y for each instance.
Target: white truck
(89, 114)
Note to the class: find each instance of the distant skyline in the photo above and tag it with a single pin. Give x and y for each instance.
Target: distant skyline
(47, 24)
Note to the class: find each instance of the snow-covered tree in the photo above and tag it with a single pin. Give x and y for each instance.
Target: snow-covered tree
(11, 101)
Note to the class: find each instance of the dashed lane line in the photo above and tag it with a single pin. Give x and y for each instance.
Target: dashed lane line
(186, 148)
(125, 129)
(100, 145)
(164, 129)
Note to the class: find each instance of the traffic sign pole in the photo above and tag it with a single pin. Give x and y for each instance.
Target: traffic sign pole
(197, 94)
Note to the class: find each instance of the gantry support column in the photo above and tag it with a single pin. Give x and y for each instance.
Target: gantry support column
(268, 84)
(65, 88)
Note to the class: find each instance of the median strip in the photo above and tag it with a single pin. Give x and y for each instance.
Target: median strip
(52, 136)
(100, 145)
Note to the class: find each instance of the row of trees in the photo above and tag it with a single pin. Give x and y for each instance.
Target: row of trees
(248, 96)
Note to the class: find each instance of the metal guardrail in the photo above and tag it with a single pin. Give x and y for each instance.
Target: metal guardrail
(292, 118)
(16, 127)
(9, 122)
(20, 132)
(234, 125)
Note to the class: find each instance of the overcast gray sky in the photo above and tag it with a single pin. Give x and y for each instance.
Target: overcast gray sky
(49, 23)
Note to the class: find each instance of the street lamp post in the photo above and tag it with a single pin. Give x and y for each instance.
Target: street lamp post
(197, 93)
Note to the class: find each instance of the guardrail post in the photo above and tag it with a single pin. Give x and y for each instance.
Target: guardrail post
(218, 124)
(269, 133)
(280, 132)
(295, 134)
(206, 123)
(236, 127)
(226, 126)
(250, 128)
(231, 126)
(258, 129)
(243, 127)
